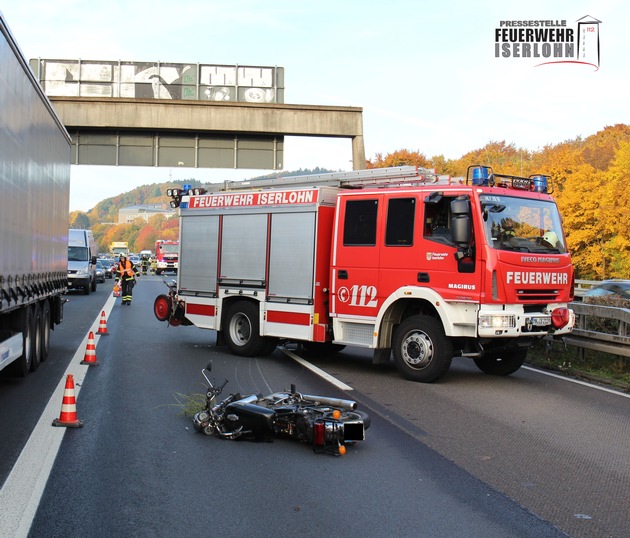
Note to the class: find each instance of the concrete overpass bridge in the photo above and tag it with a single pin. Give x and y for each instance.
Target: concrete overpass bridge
(200, 134)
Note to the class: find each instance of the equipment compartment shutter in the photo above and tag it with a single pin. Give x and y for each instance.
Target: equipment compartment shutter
(198, 253)
(244, 249)
(292, 255)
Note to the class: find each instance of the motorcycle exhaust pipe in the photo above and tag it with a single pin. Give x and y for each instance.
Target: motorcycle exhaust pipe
(253, 398)
(350, 405)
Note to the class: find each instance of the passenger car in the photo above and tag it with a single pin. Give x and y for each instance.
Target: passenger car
(107, 266)
(100, 272)
(610, 287)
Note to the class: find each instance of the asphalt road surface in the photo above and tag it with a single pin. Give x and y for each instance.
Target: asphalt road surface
(473, 455)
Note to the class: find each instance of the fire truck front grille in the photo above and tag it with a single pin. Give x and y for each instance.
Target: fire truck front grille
(537, 295)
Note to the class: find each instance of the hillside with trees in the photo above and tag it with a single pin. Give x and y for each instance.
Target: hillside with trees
(590, 178)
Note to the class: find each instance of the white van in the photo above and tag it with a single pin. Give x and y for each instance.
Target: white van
(82, 254)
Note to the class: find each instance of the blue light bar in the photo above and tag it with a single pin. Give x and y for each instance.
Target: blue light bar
(539, 183)
(480, 175)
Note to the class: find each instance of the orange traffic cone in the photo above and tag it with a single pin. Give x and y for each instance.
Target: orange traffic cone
(68, 416)
(90, 352)
(102, 326)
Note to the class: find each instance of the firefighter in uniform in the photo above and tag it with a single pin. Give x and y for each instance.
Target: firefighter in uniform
(127, 278)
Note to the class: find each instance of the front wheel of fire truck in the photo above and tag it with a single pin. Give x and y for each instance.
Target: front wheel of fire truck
(422, 352)
(502, 363)
(242, 331)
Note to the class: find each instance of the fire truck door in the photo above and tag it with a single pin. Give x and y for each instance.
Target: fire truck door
(442, 267)
(355, 261)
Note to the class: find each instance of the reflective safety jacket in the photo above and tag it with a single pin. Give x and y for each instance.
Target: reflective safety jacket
(125, 269)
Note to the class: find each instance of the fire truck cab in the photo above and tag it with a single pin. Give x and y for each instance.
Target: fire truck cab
(400, 260)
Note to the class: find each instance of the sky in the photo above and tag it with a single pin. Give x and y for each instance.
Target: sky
(425, 73)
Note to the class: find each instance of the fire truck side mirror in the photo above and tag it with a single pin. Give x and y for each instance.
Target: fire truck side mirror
(460, 230)
(460, 221)
(460, 206)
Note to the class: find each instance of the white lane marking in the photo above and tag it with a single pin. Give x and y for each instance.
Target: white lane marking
(318, 371)
(24, 487)
(577, 381)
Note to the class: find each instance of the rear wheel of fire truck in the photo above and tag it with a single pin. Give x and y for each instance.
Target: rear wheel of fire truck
(505, 362)
(422, 352)
(242, 330)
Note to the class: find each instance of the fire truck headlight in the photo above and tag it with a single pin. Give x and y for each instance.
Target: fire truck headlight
(497, 321)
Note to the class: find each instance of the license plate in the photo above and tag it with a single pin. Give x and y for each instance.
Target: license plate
(540, 321)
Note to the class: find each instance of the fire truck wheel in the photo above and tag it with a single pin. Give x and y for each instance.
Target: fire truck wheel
(242, 334)
(270, 345)
(422, 352)
(502, 363)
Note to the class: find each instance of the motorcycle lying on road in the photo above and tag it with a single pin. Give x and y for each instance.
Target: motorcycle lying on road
(327, 424)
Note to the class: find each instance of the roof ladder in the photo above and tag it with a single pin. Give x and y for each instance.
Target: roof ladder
(372, 177)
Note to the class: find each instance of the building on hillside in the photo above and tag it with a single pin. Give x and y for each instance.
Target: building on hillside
(133, 212)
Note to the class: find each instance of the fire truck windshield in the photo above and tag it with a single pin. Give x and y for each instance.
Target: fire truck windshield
(522, 224)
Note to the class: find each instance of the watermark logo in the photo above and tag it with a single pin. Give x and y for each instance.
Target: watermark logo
(550, 41)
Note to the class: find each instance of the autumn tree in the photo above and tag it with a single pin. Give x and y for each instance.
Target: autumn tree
(401, 157)
(79, 220)
(146, 238)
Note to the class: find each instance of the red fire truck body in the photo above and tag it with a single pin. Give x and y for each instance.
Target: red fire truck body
(394, 259)
(166, 255)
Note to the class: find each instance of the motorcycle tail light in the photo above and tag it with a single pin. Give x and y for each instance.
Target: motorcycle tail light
(319, 434)
(560, 317)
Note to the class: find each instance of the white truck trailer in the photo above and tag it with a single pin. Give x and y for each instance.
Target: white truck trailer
(34, 200)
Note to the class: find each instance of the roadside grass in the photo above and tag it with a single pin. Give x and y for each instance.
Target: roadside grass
(582, 363)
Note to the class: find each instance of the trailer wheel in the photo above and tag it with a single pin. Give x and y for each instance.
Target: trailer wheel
(36, 339)
(22, 323)
(242, 330)
(505, 362)
(422, 352)
(46, 315)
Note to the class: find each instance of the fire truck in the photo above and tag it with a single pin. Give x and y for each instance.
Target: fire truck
(166, 255)
(401, 260)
